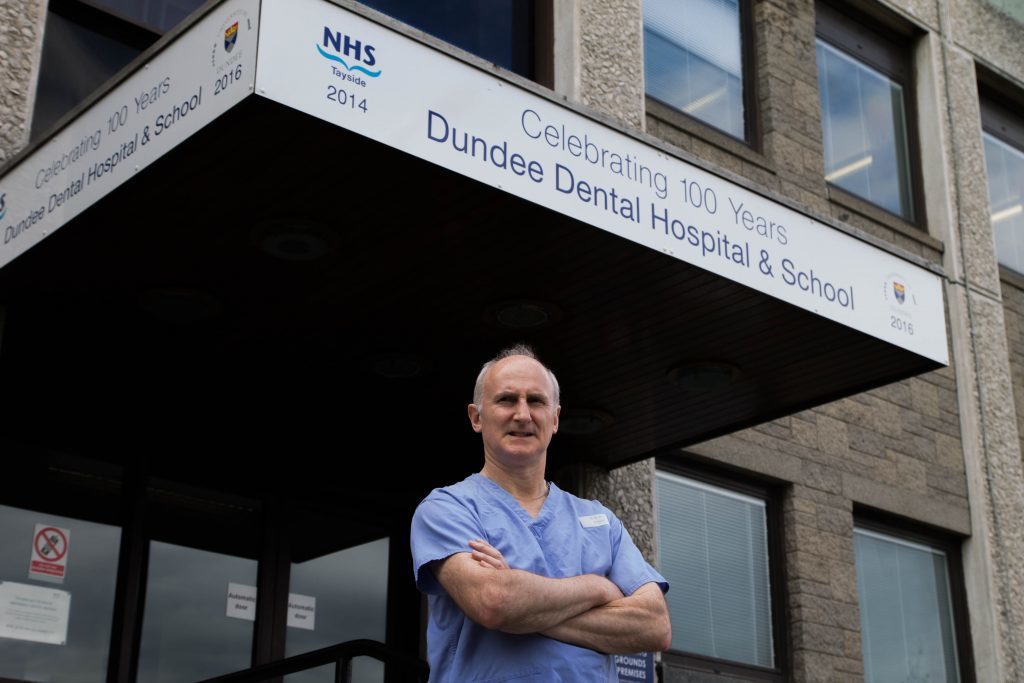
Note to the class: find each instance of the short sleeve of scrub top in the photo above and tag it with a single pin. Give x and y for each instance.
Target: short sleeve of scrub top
(441, 527)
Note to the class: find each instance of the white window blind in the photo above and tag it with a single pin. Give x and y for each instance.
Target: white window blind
(713, 549)
(906, 614)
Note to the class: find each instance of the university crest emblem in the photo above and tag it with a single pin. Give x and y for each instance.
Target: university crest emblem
(230, 37)
(900, 291)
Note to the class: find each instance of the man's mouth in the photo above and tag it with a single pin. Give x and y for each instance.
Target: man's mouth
(522, 434)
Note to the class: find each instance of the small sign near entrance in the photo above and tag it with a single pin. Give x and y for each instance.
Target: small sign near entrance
(242, 605)
(34, 613)
(241, 601)
(638, 667)
(49, 553)
(301, 611)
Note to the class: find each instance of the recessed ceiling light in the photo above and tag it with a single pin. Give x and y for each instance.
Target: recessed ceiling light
(397, 365)
(180, 305)
(523, 314)
(703, 376)
(583, 421)
(294, 240)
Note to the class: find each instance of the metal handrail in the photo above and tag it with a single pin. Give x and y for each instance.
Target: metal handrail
(340, 655)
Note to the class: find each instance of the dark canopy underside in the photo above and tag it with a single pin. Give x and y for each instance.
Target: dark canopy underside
(166, 296)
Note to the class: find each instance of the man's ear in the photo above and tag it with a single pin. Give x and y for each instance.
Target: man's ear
(554, 424)
(474, 417)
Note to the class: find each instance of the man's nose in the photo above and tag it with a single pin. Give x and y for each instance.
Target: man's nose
(522, 410)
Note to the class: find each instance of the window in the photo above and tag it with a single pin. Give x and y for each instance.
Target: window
(864, 85)
(60, 548)
(692, 68)
(906, 609)
(500, 31)
(1003, 135)
(88, 41)
(713, 550)
(85, 43)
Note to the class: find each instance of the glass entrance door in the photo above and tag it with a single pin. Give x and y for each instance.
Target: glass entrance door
(60, 544)
(200, 596)
(108, 575)
(338, 589)
(57, 583)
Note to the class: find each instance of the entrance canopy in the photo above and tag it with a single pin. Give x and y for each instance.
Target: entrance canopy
(293, 226)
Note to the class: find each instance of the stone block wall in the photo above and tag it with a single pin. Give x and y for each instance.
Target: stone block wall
(21, 34)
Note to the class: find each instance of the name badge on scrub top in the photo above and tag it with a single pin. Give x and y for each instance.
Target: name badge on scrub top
(590, 521)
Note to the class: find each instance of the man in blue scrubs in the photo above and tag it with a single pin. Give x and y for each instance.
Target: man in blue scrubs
(525, 581)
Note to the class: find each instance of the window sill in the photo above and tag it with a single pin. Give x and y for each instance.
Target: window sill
(1011, 277)
(687, 125)
(677, 667)
(880, 216)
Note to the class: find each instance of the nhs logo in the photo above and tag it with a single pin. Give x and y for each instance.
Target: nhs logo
(353, 54)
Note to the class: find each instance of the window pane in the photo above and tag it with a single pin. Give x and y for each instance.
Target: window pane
(200, 601)
(188, 633)
(31, 649)
(161, 15)
(713, 549)
(906, 615)
(692, 68)
(1005, 166)
(864, 129)
(343, 588)
(76, 60)
(500, 31)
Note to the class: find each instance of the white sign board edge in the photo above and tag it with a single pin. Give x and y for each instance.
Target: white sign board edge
(331, 63)
(197, 77)
(34, 613)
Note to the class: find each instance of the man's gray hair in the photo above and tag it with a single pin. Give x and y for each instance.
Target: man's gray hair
(514, 350)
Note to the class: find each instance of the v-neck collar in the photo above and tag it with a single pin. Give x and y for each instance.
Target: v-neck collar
(545, 510)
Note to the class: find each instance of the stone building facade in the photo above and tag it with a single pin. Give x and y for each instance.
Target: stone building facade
(938, 454)
(942, 449)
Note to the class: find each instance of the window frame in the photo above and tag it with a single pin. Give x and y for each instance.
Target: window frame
(748, 84)
(770, 491)
(998, 120)
(998, 100)
(877, 40)
(949, 543)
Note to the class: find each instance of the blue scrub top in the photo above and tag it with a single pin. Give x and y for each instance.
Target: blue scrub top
(569, 537)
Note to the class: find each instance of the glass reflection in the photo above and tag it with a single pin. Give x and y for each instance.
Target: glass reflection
(905, 610)
(350, 591)
(90, 578)
(160, 15)
(693, 59)
(75, 61)
(1005, 165)
(864, 130)
(187, 634)
(500, 31)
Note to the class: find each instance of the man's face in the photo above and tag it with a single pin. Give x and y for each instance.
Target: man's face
(517, 416)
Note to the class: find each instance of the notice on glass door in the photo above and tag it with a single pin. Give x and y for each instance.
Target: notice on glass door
(49, 553)
(34, 613)
(301, 611)
(241, 601)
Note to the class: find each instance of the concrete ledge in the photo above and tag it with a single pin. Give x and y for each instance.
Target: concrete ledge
(916, 506)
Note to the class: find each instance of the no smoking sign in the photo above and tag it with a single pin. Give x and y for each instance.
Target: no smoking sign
(49, 553)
